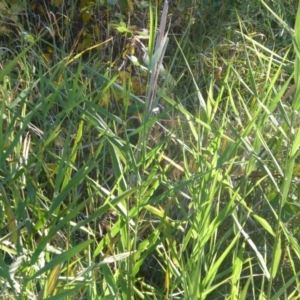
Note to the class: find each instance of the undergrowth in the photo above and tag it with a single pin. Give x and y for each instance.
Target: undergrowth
(147, 161)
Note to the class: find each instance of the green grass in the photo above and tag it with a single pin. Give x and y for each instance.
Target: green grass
(100, 199)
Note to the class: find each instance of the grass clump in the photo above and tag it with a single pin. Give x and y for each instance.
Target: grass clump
(172, 176)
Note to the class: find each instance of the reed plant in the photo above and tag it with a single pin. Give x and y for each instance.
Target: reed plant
(181, 182)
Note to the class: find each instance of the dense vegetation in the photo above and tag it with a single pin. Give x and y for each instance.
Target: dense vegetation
(149, 151)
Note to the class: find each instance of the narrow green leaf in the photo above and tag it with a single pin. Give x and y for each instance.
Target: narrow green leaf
(282, 290)
(73, 183)
(264, 223)
(62, 258)
(55, 228)
(276, 258)
(14, 62)
(236, 272)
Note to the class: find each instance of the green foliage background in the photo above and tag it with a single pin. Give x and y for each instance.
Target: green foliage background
(198, 201)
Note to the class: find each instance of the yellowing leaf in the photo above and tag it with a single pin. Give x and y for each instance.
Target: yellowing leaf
(5, 30)
(103, 102)
(86, 43)
(52, 280)
(56, 2)
(86, 15)
(130, 6)
(296, 171)
(97, 31)
(138, 87)
(47, 57)
(124, 76)
(86, 3)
